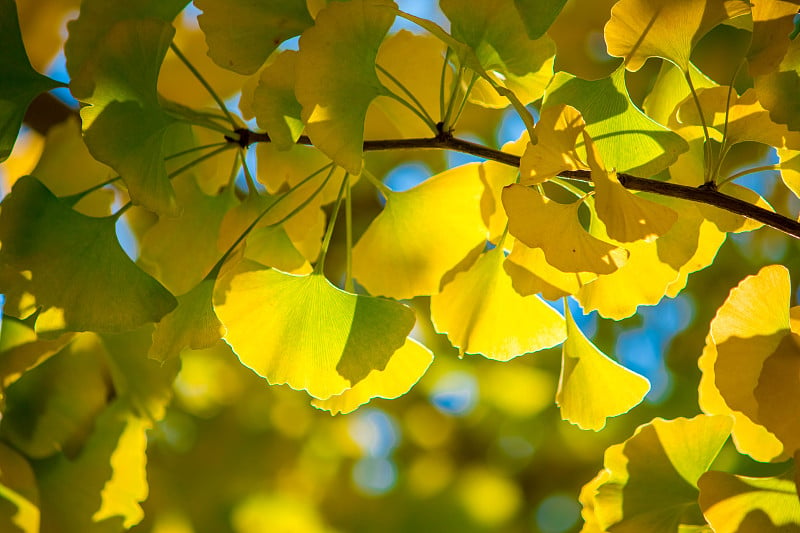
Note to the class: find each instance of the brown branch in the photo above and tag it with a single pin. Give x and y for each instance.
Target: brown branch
(703, 194)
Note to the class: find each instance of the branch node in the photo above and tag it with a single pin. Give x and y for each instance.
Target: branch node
(709, 186)
(244, 139)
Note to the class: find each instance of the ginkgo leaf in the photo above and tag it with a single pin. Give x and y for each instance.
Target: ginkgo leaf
(20, 83)
(192, 324)
(538, 15)
(103, 486)
(557, 136)
(542, 223)
(670, 89)
(482, 314)
(740, 504)
(531, 274)
(51, 408)
(274, 104)
(651, 480)
(496, 177)
(403, 370)
(421, 234)
(145, 384)
(776, 89)
(592, 387)
(790, 169)
(336, 78)
(125, 126)
(773, 21)
(640, 29)
(627, 217)
(74, 266)
(241, 34)
(495, 32)
(21, 350)
(19, 495)
(616, 124)
(316, 337)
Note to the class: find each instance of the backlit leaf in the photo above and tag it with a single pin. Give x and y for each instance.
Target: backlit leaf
(336, 78)
(531, 274)
(241, 34)
(19, 495)
(740, 504)
(421, 234)
(481, 313)
(593, 387)
(651, 480)
(557, 136)
(274, 104)
(773, 21)
(777, 88)
(403, 370)
(74, 265)
(303, 331)
(640, 29)
(20, 83)
(616, 124)
(538, 15)
(542, 223)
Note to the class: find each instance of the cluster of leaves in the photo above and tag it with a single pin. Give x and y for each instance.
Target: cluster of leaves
(91, 340)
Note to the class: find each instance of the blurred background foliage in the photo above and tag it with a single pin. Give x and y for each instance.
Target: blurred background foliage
(477, 445)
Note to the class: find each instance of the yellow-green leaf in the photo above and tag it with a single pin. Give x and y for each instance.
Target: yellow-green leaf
(593, 387)
(740, 504)
(557, 136)
(773, 21)
(421, 234)
(481, 313)
(19, 495)
(241, 34)
(403, 370)
(74, 266)
(336, 78)
(303, 331)
(640, 29)
(531, 274)
(542, 223)
(274, 104)
(538, 15)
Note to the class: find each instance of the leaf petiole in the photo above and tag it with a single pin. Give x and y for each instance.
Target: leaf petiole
(419, 110)
(326, 241)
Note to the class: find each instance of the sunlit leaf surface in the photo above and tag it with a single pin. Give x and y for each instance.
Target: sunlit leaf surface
(557, 132)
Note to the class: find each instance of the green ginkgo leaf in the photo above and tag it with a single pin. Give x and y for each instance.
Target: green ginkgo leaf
(481, 313)
(100, 490)
(650, 480)
(336, 78)
(303, 331)
(241, 34)
(19, 495)
(403, 370)
(274, 104)
(496, 34)
(616, 124)
(538, 15)
(20, 83)
(593, 387)
(74, 266)
(741, 504)
(125, 126)
(21, 350)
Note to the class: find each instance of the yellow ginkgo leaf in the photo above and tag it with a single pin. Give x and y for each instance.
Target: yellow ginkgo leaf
(790, 169)
(593, 387)
(772, 19)
(495, 177)
(403, 370)
(18, 492)
(532, 274)
(274, 104)
(303, 331)
(557, 133)
(421, 234)
(640, 29)
(542, 223)
(336, 78)
(481, 313)
(627, 217)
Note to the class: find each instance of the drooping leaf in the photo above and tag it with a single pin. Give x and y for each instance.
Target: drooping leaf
(640, 29)
(481, 313)
(627, 217)
(241, 34)
(538, 15)
(542, 223)
(403, 370)
(740, 504)
(421, 234)
(790, 169)
(496, 34)
(74, 265)
(20, 83)
(777, 88)
(531, 274)
(100, 490)
(317, 338)
(773, 21)
(557, 136)
(616, 124)
(651, 480)
(19, 495)
(336, 78)
(274, 104)
(593, 387)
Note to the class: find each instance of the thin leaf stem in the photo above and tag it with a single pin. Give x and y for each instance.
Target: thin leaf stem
(194, 149)
(251, 184)
(451, 102)
(326, 241)
(204, 83)
(466, 98)
(429, 122)
(441, 83)
(199, 160)
(748, 171)
(709, 164)
(724, 148)
(382, 187)
(426, 118)
(348, 216)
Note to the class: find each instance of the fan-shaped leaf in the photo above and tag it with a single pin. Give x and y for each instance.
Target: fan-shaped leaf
(557, 136)
(531, 274)
(274, 104)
